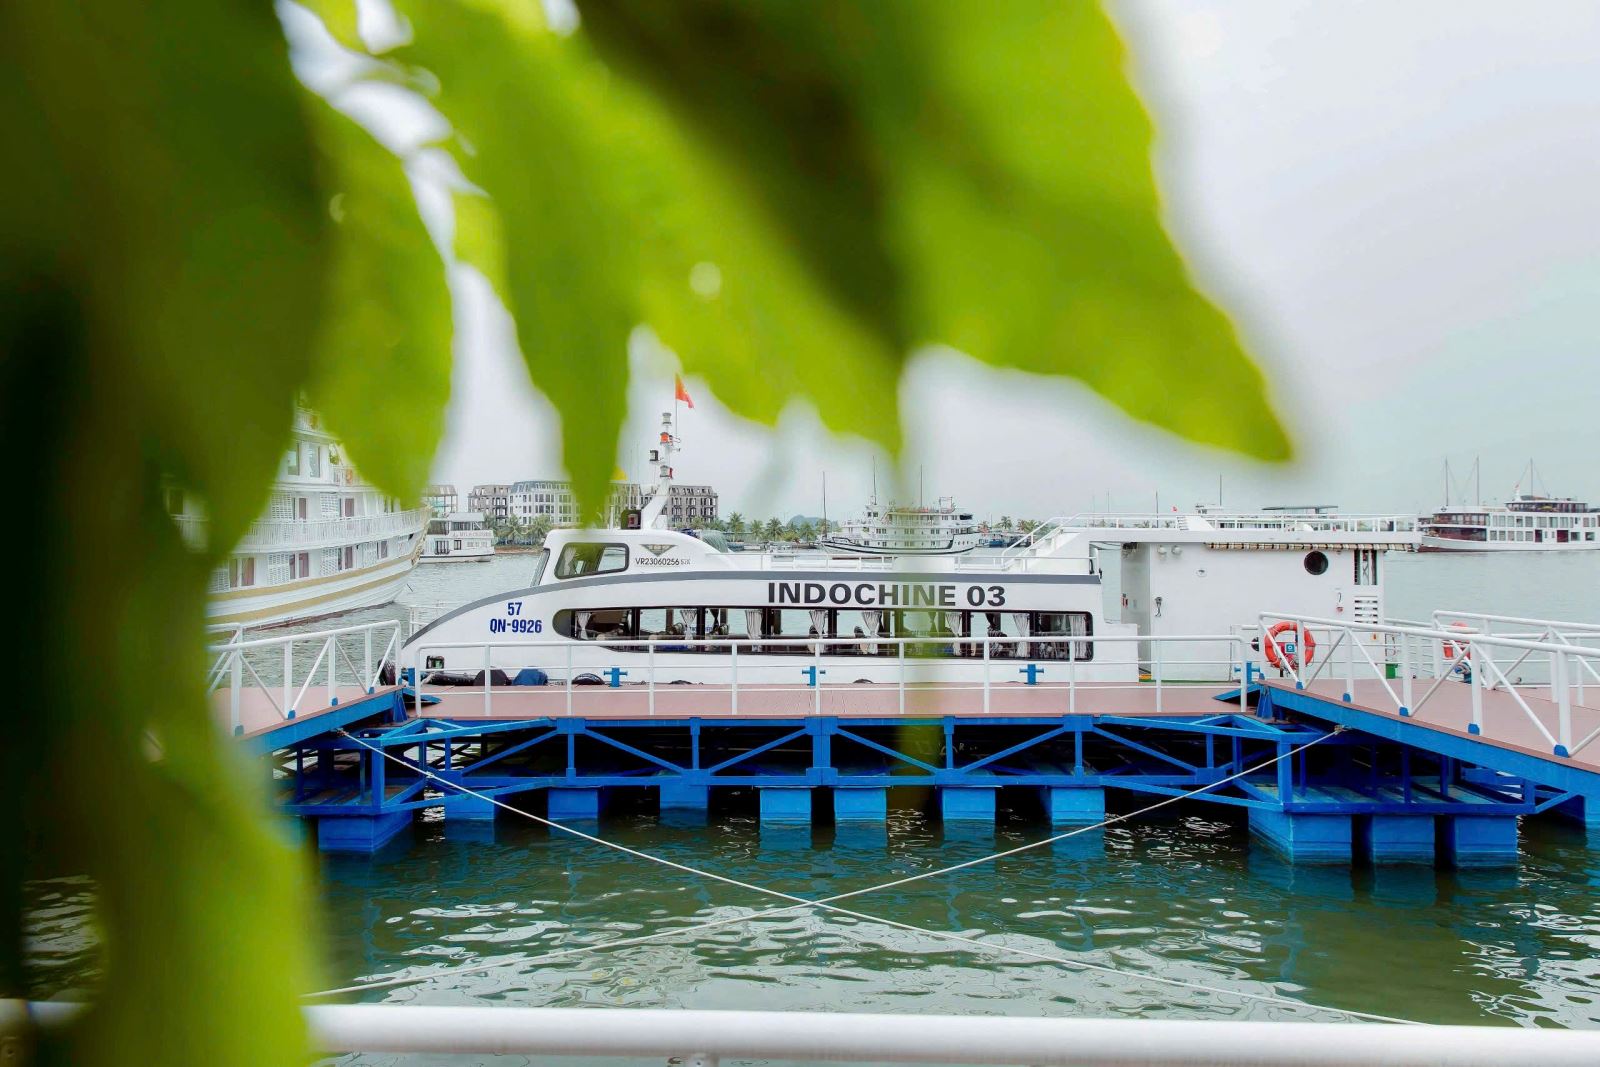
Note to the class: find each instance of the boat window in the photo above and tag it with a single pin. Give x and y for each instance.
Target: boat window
(539, 565)
(1316, 562)
(581, 560)
(1005, 624)
(1063, 624)
(793, 626)
(595, 624)
(865, 627)
(727, 622)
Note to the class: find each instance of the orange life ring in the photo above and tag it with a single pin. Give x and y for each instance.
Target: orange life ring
(1301, 654)
(1453, 648)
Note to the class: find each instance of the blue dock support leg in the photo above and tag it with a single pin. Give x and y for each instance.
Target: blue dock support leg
(1303, 838)
(962, 804)
(786, 805)
(1080, 806)
(568, 804)
(468, 808)
(678, 795)
(1400, 839)
(1481, 840)
(868, 805)
(360, 833)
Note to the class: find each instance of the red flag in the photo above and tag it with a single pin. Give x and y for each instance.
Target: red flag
(682, 393)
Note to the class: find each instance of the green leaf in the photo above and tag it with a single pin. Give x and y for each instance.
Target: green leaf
(160, 278)
(382, 374)
(958, 173)
(563, 260)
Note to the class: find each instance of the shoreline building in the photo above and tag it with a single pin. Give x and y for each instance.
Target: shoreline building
(493, 501)
(691, 505)
(688, 505)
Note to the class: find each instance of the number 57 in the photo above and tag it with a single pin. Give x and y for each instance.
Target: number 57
(514, 608)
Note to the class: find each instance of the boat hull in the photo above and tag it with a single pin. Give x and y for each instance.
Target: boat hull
(312, 598)
(1432, 543)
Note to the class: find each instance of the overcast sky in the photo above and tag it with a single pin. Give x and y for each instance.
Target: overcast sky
(1399, 199)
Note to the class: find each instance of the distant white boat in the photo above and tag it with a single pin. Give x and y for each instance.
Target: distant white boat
(458, 537)
(893, 530)
(328, 542)
(1527, 522)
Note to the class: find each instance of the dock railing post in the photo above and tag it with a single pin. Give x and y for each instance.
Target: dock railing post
(1405, 673)
(816, 678)
(1563, 703)
(569, 681)
(233, 696)
(986, 674)
(733, 670)
(288, 679)
(1476, 677)
(1349, 665)
(488, 677)
(1072, 679)
(650, 668)
(366, 660)
(1155, 664)
(901, 657)
(332, 650)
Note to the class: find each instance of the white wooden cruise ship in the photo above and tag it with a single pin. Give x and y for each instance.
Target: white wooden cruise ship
(328, 542)
(1526, 523)
(896, 530)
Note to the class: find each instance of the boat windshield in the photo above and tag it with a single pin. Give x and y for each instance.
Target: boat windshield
(713, 538)
(539, 565)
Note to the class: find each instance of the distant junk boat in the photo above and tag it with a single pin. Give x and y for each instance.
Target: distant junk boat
(1528, 522)
(892, 530)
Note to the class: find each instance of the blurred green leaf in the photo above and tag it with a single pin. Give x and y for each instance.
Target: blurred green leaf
(387, 331)
(961, 173)
(564, 262)
(160, 278)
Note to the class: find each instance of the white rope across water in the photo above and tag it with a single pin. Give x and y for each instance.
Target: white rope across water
(829, 904)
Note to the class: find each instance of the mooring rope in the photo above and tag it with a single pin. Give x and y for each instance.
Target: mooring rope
(829, 903)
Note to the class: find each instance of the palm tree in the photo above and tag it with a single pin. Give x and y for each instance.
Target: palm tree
(1005, 522)
(736, 526)
(774, 529)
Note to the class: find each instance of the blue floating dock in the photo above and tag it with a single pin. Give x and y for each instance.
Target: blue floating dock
(1376, 788)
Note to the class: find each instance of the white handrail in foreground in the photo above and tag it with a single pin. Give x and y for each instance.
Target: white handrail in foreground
(233, 663)
(704, 1037)
(1453, 650)
(415, 665)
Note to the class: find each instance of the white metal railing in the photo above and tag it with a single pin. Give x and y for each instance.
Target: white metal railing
(285, 677)
(700, 1038)
(972, 669)
(270, 534)
(952, 561)
(1430, 657)
(1560, 632)
(273, 535)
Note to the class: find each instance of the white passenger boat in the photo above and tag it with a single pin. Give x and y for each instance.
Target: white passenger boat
(1526, 523)
(895, 530)
(459, 537)
(328, 542)
(623, 600)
